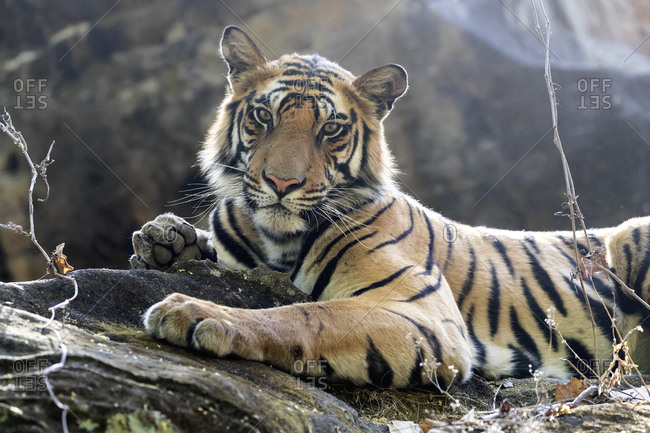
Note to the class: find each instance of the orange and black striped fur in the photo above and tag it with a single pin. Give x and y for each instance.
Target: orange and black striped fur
(303, 176)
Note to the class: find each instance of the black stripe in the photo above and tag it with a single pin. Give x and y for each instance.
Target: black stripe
(432, 340)
(450, 245)
(628, 260)
(248, 130)
(340, 147)
(494, 304)
(597, 308)
(240, 233)
(602, 286)
(521, 363)
(224, 157)
(539, 314)
(636, 237)
(364, 224)
(383, 282)
(326, 274)
(189, 335)
(292, 72)
(643, 271)
(478, 345)
(241, 147)
(264, 99)
(531, 240)
(321, 228)
(325, 365)
(343, 168)
(566, 255)
(364, 153)
(430, 262)
(426, 291)
(502, 250)
(460, 328)
(379, 372)
(355, 135)
(545, 283)
(584, 355)
(469, 280)
(290, 100)
(401, 236)
(234, 248)
(525, 341)
(298, 65)
(569, 243)
(415, 378)
(314, 106)
(625, 302)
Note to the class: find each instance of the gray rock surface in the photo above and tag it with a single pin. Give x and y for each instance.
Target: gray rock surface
(129, 101)
(105, 380)
(117, 374)
(118, 379)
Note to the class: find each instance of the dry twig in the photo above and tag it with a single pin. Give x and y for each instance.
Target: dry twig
(56, 262)
(592, 260)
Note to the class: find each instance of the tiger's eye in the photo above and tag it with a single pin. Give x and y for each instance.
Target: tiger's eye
(331, 128)
(263, 115)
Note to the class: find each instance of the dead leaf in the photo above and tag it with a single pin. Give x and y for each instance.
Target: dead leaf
(569, 391)
(591, 263)
(505, 408)
(60, 260)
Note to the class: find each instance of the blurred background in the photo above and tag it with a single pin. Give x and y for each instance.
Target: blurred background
(127, 89)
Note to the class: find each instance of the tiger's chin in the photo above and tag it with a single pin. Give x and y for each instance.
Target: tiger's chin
(279, 223)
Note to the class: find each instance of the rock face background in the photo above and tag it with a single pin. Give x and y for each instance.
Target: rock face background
(128, 93)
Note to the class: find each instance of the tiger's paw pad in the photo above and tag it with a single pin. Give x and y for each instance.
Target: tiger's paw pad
(167, 239)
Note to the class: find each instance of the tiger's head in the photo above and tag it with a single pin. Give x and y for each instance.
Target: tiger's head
(298, 138)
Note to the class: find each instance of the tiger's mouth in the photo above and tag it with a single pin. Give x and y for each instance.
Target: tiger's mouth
(279, 223)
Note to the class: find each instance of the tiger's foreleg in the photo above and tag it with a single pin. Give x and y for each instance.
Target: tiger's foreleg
(387, 344)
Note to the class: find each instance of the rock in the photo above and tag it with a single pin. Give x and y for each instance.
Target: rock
(116, 378)
(119, 296)
(631, 417)
(129, 102)
(110, 384)
(118, 375)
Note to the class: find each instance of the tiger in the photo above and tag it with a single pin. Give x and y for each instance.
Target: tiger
(304, 183)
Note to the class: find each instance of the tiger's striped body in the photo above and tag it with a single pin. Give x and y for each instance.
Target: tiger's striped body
(303, 176)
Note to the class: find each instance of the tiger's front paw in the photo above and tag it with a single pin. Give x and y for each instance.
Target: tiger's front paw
(167, 239)
(202, 325)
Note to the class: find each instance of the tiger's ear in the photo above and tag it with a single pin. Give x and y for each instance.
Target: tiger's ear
(383, 86)
(240, 52)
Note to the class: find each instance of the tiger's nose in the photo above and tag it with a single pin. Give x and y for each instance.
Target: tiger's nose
(282, 187)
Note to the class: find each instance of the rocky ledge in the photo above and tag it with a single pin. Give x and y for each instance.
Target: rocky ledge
(118, 379)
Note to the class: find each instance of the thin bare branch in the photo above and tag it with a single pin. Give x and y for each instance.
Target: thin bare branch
(56, 262)
(572, 197)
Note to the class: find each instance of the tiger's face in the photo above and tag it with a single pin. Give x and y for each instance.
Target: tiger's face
(299, 138)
